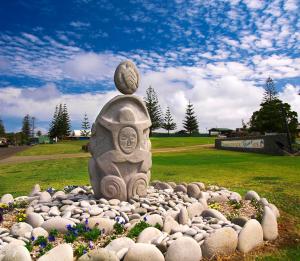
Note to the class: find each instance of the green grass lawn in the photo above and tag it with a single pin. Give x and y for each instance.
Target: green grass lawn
(274, 177)
(65, 147)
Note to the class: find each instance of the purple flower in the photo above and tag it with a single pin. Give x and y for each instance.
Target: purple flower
(145, 218)
(91, 244)
(32, 238)
(69, 227)
(84, 251)
(86, 221)
(51, 238)
(43, 244)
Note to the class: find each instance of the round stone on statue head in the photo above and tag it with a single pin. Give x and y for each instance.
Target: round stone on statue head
(127, 77)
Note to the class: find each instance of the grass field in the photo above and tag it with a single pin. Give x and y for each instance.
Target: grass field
(66, 147)
(274, 177)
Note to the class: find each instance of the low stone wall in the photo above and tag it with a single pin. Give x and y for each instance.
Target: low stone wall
(273, 144)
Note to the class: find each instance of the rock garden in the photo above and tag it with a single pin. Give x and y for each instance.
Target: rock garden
(171, 222)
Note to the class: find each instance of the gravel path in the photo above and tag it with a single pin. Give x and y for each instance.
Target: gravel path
(21, 159)
(10, 151)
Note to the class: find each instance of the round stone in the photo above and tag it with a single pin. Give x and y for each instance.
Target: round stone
(183, 216)
(269, 224)
(7, 199)
(148, 234)
(222, 241)
(143, 252)
(275, 210)
(169, 223)
(127, 77)
(61, 252)
(58, 223)
(39, 231)
(45, 197)
(21, 229)
(195, 209)
(35, 190)
(180, 188)
(184, 248)
(106, 225)
(99, 254)
(34, 219)
(17, 253)
(154, 219)
(214, 213)
(250, 236)
(120, 243)
(251, 194)
(193, 190)
(241, 221)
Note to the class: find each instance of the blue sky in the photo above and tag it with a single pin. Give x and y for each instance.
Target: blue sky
(217, 54)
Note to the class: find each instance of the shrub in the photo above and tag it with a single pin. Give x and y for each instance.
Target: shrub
(92, 234)
(119, 228)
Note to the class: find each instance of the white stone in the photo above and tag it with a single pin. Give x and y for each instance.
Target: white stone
(251, 194)
(58, 223)
(183, 217)
(45, 197)
(35, 190)
(184, 249)
(99, 254)
(17, 253)
(193, 190)
(214, 213)
(34, 219)
(7, 199)
(221, 242)
(148, 234)
(275, 210)
(20, 229)
(154, 219)
(169, 223)
(143, 252)
(250, 236)
(269, 224)
(119, 244)
(63, 252)
(195, 209)
(106, 225)
(39, 231)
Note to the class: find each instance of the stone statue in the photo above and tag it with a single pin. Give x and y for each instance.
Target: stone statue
(120, 146)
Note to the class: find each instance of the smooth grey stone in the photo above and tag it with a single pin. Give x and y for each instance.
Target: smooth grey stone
(200, 185)
(54, 211)
(20, 229)
(45, 209)
(199, 237)
(169, 223)
(120, 243)
(191, 232)
(45, 197)
(241, 221)
(250, 236)
(106, 225)
(179, 228)
(154, 219)
(195, 209)
(95, 210)
(148, 234)
(222, 241)
(193, 190)
(251, 194)
(214, 213)
(3, 230)
(63, 252)
(59, 195)
(34, 219)
(264, 202)
(58, 223)
(269, 224)
(145, 252)
(67, 202)
(39, 231)
(140, 211)
(180, 188)
(99, 254)
(184, 248)
(84, 204)
(162, 186)
(7, 199)
(215, 226)
(275, 210)
(183, 217)
(17, 253)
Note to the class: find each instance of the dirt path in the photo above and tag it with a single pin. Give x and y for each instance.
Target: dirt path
(10, 151)
(21, 159)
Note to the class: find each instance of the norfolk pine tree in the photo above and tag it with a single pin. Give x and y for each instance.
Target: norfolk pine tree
(85, 126)
(153, 108)
(26, 129)
(190, 122)
(168, 123)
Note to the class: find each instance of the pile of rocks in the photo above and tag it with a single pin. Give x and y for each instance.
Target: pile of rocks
(190, 229)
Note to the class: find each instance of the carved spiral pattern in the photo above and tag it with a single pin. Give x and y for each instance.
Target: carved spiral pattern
(113, 187)
(137, 185)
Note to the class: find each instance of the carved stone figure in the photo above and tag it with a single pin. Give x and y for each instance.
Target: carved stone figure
(120, 146)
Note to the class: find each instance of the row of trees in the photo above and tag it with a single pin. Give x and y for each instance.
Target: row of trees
(190, 122)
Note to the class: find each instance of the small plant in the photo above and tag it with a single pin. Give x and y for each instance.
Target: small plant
(92, 234)
(158, 226)
(3, 206)
(44, 249)
(20, 204)
(52, 234)
(235, 204)
(40, 241)
(137, 229)
(214, 205)
(259, 209)
(70, 237)
(119, 228)
(80, 250)
(29, 246)
(21, 216)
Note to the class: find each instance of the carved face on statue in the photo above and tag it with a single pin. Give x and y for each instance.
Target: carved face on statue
(127, 139)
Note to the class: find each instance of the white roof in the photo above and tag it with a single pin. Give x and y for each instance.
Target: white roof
(77, 133)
